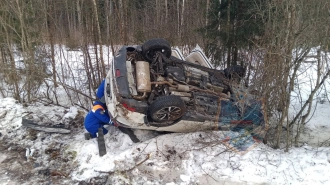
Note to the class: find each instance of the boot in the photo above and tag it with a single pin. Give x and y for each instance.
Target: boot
(88, 136)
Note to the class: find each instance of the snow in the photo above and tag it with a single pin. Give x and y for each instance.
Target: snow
(177, 158)
(72, 113)
(9, 109)
(171, 159)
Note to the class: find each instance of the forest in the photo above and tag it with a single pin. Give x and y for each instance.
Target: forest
(272, 39)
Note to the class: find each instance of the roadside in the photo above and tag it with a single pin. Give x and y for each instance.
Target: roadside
(34, 157)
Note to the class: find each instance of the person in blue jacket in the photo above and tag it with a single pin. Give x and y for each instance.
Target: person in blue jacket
(98, 116)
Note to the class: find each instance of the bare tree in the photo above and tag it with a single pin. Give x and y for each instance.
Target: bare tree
(288, 31)
(99, 39)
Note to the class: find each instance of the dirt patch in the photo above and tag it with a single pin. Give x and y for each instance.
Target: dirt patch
(78, 122)
(34, 157)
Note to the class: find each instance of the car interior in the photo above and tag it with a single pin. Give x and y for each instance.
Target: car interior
(197, 56)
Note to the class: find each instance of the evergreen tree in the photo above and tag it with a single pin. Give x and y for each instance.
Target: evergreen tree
(233, 25)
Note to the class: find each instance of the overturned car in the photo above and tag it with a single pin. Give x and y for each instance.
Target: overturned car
(151, 86)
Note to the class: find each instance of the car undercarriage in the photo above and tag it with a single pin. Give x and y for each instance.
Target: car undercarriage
(168, 89)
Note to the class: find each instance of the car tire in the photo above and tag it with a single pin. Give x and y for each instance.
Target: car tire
(166, 110)
(150, 47)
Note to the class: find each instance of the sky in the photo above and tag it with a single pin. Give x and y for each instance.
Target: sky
(171, 159)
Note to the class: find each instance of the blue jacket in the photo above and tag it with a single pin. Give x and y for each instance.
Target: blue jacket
(97, 117)
(100, 90)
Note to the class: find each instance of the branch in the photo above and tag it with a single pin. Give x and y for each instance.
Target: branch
(138, 164)
(77, 91)
(309, 98)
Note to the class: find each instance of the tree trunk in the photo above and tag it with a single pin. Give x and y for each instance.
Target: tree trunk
(79, 15)
(228, 35)
(50, 28)
(289, 12)
(99, 39)
(166, 12)
(207, 12)
(121, 20)
(178, 11)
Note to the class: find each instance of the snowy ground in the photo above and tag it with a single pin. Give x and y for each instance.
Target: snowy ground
(33, 157)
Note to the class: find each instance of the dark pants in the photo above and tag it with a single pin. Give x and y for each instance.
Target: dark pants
(93, 130)
(128, 131)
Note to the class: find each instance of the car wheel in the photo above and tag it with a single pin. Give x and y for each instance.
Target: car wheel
(150, 47)
(167, 110)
